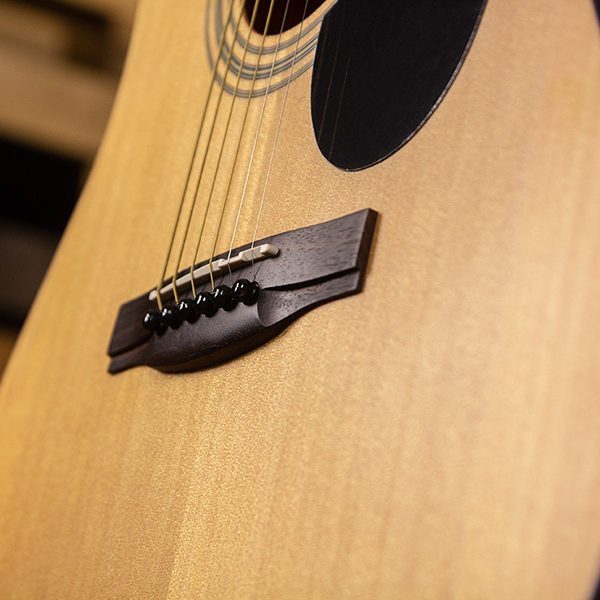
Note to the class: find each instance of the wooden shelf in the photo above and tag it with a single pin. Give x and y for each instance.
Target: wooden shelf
(59, 67)
(59, 72)
(115, 9)
(53, 104)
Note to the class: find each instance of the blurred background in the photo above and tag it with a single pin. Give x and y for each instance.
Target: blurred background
(60, 62)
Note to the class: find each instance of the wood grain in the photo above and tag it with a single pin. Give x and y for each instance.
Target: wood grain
(436, 436)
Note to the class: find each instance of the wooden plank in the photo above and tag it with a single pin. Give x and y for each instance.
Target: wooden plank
(33, 27)
(51, 103)
(122, 10)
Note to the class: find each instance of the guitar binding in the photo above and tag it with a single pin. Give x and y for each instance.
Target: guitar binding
(311, 266)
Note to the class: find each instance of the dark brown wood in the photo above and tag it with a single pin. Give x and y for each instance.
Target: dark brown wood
(315, 265)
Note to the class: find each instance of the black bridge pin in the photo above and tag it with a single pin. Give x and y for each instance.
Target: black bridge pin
(152, 321)
(186, 310)
(245, 291)
(223, 297)
(169, 316)
(204, 304)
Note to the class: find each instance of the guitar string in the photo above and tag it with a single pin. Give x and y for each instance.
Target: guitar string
(234, 95)
(344, 82)
(330, 82)
(195, 152)
(236, 154)
(207, 148)
(258, 129)
(287, 89)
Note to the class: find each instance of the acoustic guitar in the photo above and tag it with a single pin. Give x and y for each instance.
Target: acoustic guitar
(345, 258)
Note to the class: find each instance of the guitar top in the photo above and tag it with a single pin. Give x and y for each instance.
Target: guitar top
(345, 257)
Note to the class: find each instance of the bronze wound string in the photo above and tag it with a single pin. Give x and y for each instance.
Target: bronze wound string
(207, 147)
(231, 108)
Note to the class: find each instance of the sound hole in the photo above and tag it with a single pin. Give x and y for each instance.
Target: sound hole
(381, 69)
(293, 17)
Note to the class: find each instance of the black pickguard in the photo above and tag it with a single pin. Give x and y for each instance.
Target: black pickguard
(381, 69)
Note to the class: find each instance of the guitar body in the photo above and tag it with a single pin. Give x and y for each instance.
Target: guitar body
(435, 436)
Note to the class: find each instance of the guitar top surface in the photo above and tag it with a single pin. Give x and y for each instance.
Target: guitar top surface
(434, 436)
